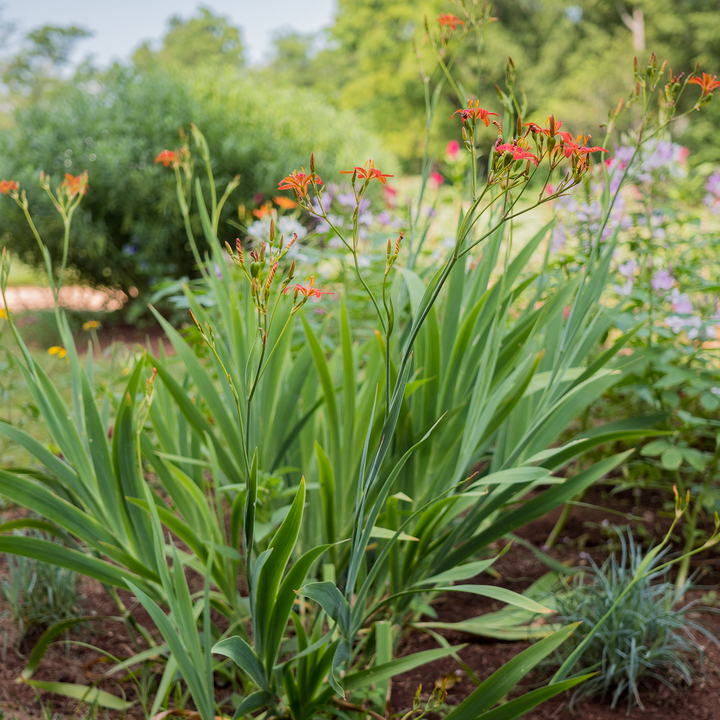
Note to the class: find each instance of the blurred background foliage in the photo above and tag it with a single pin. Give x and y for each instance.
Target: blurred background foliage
(350, 92)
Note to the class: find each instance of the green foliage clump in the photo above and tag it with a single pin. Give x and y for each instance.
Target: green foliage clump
(128, 231)
(649, 635)
(38, 594)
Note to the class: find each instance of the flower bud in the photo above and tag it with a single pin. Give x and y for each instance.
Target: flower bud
(518, 126)
(401, 235)
(254, 269)
(272, 231)
(291, 271)
(238, 247)
(553, 127)
(312, 162)
(389, 247)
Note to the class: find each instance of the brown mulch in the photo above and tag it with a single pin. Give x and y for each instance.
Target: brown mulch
(585, 532)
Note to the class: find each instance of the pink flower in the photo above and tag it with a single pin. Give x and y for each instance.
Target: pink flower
(436, 178)
(452, 149)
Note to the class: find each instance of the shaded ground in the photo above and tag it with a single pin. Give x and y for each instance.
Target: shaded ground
(585, 532)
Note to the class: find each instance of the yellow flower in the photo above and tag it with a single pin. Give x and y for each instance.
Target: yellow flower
(61, 352)
(3, 314)
(91, 325)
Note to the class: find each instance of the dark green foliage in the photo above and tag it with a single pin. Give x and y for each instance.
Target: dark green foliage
(128, 231)
(649, 636)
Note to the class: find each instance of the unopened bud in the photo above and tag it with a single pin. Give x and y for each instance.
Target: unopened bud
(553, 128)
(195, 320)
(271, 275)
(518, 126)
(399, 240)
(272, 230)
(389, 247)
(292, 242)
(312, 162)
(238, 247)
(228, 248)
(635, 64)
(291, 271)
(262, 252)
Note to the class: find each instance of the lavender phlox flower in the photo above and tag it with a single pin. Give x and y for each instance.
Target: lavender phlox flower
(662, 280)
(363, 205)
(559, 237)
(365, 218)
(712, 199)
(384, 217)
(347, 200)
(628, 269)
(681, 303)
(625, 289)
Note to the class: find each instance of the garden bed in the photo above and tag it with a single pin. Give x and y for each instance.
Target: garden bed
(585, 533)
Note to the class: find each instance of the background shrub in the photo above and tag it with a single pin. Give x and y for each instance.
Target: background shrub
(128, 231)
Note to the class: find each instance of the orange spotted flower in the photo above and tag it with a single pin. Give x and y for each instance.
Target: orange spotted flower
(7, 186)
(309, 289)
(450, 21)
(167, 158)
(535, 128)
(75, 184)
(298, 181)
(708, 83)
(576, 147)
(474, 112)
(518, 152)
(367, 172)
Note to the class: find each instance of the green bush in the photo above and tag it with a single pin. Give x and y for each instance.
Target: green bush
(128, 231)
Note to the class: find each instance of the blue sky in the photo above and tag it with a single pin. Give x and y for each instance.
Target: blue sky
(119, 26)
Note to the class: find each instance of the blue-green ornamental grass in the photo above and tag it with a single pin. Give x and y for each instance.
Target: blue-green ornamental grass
(650, 635)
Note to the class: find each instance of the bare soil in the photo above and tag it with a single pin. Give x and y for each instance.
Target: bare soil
(584, 533)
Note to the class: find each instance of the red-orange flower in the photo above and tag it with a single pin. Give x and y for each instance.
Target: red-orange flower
(309, 289)
(474, 112)
(535, 128)
(576, 147)
(168, 157)
(450, 21)
(75, 184)
(708, 83)
(518, 152)
(298, 181)
(367, 172)
(7, 186)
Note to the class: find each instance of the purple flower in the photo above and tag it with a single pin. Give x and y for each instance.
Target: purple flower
(628, 269)
(347, 200)
(625, 289)
(384, 217)
(681, 302)
(662, 280)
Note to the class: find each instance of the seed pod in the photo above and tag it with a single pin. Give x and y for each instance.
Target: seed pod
(254, 269)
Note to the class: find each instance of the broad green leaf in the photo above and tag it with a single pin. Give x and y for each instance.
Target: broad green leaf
(671, 459)
(503, 680)
(90, 696)
(244, 657)
(378, 673)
